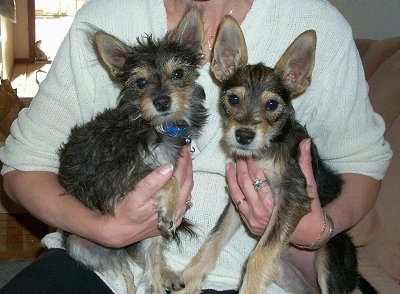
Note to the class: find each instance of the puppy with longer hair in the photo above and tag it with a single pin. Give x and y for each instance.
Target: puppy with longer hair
(159, 110)
(259, 123)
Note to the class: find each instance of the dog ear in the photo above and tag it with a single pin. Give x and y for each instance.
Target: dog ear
(112, 51)
(297, 63)
(190, 28)
(230, 50)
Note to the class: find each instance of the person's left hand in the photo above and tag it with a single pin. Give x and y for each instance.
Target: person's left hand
(255, 207)
(256, 210)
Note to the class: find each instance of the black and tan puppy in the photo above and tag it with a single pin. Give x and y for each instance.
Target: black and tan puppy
(159, 110)
(259, 122)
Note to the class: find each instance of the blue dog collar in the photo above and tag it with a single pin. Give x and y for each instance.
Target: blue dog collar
(175, 131)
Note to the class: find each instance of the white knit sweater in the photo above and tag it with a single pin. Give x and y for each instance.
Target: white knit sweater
(335, 108)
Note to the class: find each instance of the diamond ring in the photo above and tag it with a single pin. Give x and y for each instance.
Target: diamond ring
(259, 183)
(188, 204)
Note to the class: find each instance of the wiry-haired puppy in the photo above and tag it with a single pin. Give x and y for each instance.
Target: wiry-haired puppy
(259, 123)
(159, 110)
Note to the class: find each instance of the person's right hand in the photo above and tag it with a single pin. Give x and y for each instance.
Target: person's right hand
(136, 215)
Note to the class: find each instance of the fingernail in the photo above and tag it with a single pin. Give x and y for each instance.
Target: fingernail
(229, 166)
(166, 169)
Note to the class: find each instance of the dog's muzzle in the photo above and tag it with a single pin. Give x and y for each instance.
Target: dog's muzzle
(244, 136)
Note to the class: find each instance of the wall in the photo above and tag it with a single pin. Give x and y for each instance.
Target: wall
(371, 19)
(7, 47)
(21, 33)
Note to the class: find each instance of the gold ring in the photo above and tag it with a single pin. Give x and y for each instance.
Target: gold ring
(240, 202)
(188, 204)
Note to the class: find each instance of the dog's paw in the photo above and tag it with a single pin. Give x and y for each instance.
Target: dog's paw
(193, 285)
(172, 281)
(166, 223)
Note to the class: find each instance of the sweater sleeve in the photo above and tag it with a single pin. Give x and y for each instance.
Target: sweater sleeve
(337, 112)
(335, 108)
(77, 86)
(65, 98)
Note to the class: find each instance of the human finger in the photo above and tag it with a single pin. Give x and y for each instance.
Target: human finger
(306, 228)
(185, 170)
(260, 181)
(305, 162)
(235, 192)
(245, 180)
(153, 182)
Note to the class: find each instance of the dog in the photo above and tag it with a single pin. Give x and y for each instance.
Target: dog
(159, 110)
(259, 122)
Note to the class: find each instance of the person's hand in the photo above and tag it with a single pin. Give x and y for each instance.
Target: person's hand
(184, 174)
(255, 207)
(310, 225)
(136, 215)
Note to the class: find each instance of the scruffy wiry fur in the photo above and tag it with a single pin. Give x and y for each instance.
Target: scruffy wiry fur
(105, 158)
(259, 122)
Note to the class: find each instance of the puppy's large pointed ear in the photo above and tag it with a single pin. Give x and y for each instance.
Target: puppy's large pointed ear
(112, 51)
(190, 28)
(230, 50)
(297, 63)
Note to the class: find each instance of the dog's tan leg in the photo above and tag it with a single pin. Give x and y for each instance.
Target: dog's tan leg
(204, 261)
(261, 268)
(168, 198)
(150, 251)
(322, 272)
(129, 281)
(155, 268)
(158, 275)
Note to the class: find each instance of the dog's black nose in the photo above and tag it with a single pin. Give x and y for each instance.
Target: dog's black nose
(162, 103)
(244, 136)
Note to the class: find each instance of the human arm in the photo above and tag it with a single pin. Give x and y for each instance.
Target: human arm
(135, 218)
(358, 195)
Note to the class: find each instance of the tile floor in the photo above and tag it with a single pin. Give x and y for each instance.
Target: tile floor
(26, 78)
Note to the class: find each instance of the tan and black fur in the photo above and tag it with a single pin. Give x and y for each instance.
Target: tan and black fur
(258, 122)
(159, 110)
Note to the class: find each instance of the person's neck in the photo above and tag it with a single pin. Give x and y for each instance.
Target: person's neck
(212, 10)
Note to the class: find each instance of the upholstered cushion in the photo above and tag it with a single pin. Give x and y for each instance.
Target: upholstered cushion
(380, 255)
(10, 105)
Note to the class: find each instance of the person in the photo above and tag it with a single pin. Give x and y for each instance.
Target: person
(335, 109)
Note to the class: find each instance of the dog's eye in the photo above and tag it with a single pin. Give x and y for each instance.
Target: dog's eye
(233, 99)
(141, 82)
(177, 74)
(271, 105)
